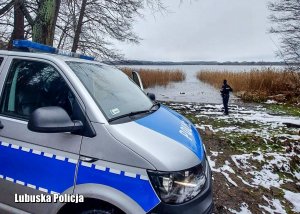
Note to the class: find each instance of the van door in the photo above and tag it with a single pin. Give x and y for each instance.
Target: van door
(35, 163)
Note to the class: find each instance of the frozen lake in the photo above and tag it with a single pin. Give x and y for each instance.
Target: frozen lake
(192, 90)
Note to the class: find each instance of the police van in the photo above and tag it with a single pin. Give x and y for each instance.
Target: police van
(84, 133)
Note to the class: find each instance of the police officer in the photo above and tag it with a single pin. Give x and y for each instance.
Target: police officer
(225, 90)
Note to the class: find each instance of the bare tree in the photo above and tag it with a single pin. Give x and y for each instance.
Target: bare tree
(6, 6)
(90, 26)
(40, 22)
(43, 25)
(286, 24)
(19, 24)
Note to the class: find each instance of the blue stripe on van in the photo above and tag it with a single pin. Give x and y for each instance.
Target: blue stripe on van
(38, 170)
(136, 188)
(56, 174)
(169, 123)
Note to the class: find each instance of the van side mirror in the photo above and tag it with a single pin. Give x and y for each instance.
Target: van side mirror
(52, 119)
(151, 96)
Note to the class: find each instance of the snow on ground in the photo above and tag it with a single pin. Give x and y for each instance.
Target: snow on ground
(224, 169)
(274, 206)
(293, 198)
(271, 102)
(244, 209)
(266, 157)
(297, 175)
(265, 177)
(245, 182)
(212, 163)
(215, 154)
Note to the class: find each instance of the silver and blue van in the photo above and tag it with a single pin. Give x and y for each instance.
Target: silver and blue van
(79, 136)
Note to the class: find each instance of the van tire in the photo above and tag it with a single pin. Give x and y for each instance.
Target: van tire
(90, 206)
(96, 211)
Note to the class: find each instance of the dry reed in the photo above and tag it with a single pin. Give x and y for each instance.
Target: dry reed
(153, 77)
(262, 83)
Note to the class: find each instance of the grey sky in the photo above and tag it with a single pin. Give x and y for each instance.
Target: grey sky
(233, 30)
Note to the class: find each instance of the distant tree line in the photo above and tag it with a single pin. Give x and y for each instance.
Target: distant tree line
(87, 26)
(140, 62)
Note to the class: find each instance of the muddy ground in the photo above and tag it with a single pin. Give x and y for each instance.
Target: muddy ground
(254, 156)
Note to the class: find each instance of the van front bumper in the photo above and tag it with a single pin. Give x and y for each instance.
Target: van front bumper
(201, 204)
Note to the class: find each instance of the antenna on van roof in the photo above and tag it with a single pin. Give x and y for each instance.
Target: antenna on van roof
(25, 45)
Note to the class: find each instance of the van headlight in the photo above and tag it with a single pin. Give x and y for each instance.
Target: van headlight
(178, 187)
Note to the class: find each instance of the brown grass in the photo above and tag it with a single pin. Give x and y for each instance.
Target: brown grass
(153, 77)
(256, 85)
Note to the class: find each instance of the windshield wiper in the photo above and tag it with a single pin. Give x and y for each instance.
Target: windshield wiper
(154, 104)
(129, 115)
(135, 113)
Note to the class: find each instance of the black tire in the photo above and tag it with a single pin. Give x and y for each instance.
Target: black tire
(91, 206)
(100, 211)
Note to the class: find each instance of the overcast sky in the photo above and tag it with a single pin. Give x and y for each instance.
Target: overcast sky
(222, 30)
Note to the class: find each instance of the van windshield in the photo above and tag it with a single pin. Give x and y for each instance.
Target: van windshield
(113, 91)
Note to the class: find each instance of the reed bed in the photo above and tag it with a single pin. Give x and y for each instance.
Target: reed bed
(256, 85)
(157, 77)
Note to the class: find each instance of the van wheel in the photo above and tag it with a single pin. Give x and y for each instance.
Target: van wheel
(91, 206)
(99, 211)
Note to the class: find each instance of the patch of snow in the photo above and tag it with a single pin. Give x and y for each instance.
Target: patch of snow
(271, 102)
(247, 112)
(226, 167)
(227, 129)
(229, 179)
(294, 198)
(215, 154)
(241, 161)
(266, 178)
(212, 113)
(213, 106)
(223, 170)
(245, 182)
(297, 175)
(259, 157)
(281, 162)
(289, 136)
(244, 209)
(276, 120)
(252, 130)
(212, 163)
(273, 203)
(200, 115)
(203, 127)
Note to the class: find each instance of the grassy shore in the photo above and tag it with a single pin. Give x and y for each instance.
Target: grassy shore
(254, 157)
(257, 85)
(154, 77)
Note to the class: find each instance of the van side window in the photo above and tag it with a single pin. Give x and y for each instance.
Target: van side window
(31, 85)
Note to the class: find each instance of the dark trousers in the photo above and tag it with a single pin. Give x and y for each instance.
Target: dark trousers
(225, 103)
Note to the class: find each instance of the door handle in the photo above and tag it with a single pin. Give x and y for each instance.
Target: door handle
(1, 125)
(88, 159)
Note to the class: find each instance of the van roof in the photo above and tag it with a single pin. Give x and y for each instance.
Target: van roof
(42, 55)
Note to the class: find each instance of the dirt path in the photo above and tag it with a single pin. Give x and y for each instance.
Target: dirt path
(254, 157)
